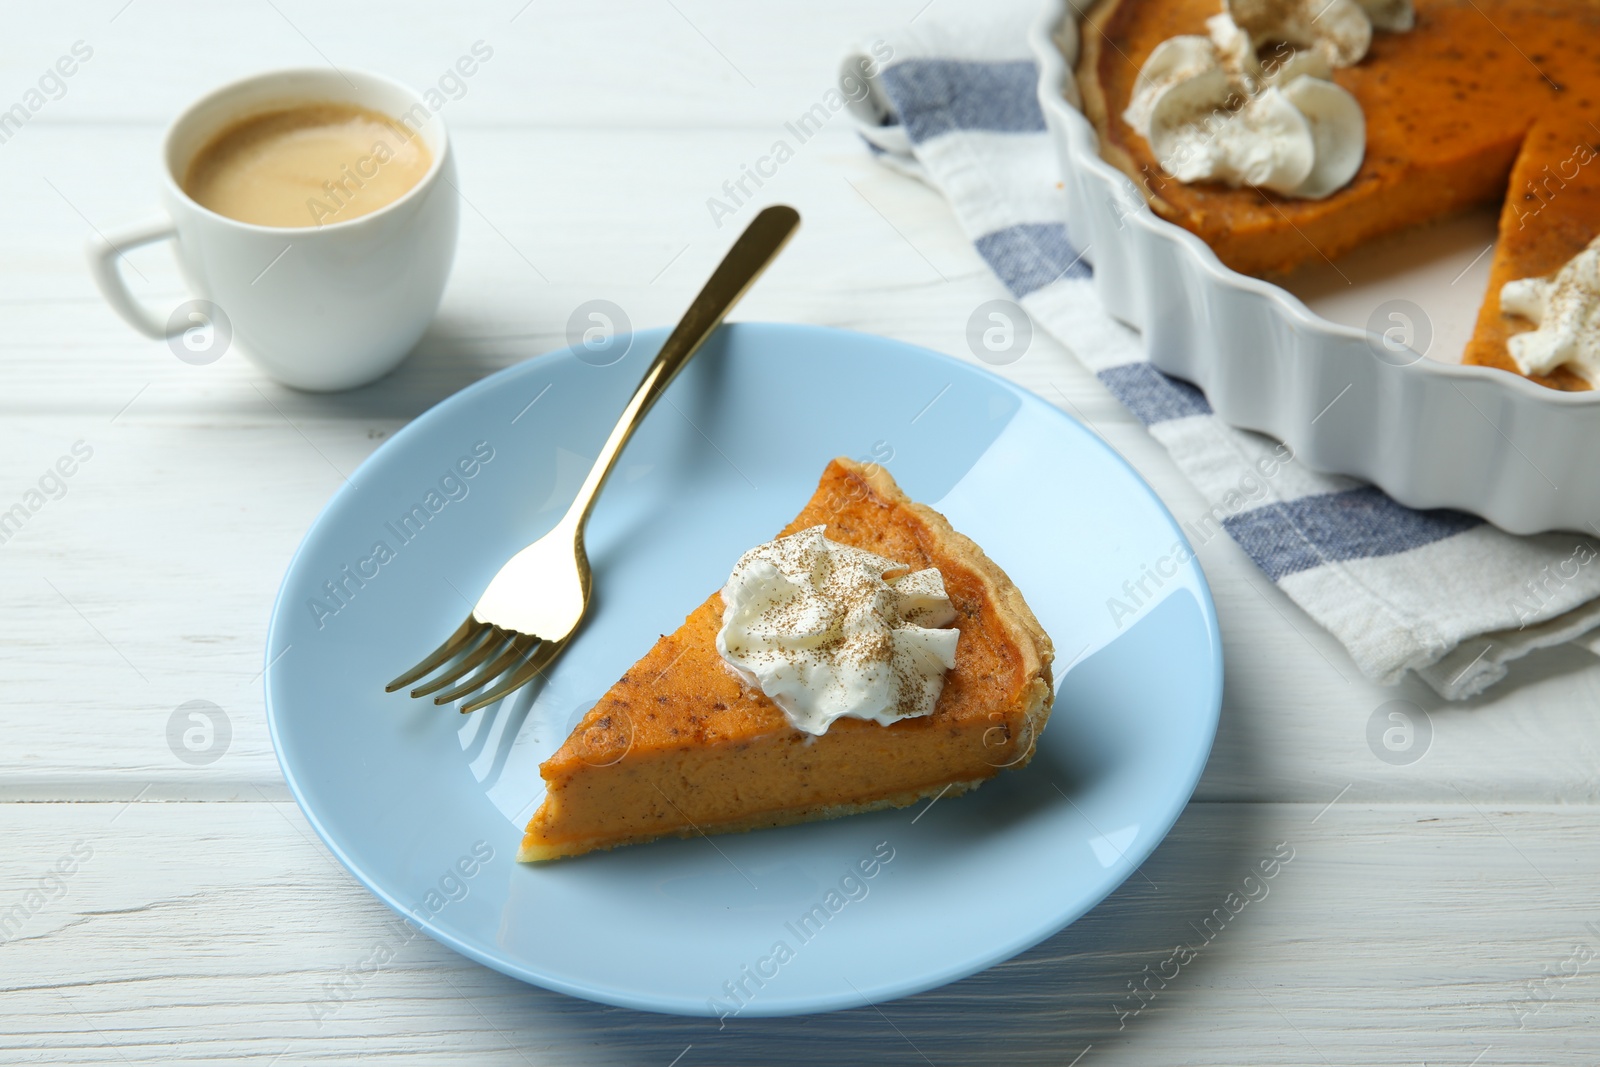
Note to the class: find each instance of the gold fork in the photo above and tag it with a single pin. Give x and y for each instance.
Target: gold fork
(535, 603)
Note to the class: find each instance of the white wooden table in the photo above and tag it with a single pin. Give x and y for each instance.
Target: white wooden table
(1442, 912)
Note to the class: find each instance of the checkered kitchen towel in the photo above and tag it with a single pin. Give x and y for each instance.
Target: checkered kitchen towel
(1438, 592)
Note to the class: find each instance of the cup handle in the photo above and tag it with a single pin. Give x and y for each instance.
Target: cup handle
(106, 248)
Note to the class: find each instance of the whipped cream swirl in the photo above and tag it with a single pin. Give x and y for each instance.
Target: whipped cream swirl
(823, 631)
(1253, 103)
(1565, 306)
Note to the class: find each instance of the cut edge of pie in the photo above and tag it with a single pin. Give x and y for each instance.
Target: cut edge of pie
(693, 725)
(1541, 229)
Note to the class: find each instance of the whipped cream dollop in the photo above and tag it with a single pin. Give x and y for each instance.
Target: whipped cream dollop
(821, 630)
(1252, 103)
(1565, 306)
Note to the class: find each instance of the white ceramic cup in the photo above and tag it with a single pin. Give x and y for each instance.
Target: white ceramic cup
(318, 308)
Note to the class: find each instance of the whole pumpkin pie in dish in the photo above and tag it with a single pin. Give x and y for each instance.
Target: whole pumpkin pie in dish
(1448, 100)
(869, 657)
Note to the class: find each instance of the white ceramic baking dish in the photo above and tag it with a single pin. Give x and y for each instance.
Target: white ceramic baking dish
(1430, 434)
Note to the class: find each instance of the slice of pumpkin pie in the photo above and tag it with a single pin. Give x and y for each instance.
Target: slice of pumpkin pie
(869, 657)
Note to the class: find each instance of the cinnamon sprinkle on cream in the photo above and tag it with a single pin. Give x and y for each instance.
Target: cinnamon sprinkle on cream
(829, 631)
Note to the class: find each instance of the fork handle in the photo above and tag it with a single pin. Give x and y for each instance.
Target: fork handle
(750, 255)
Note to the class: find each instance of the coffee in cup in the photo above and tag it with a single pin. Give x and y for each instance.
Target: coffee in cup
(307, 166)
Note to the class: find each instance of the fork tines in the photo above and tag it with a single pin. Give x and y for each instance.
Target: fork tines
(514, 659)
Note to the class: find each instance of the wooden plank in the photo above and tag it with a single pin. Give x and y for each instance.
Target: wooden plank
(1394, 934)
(619, 62)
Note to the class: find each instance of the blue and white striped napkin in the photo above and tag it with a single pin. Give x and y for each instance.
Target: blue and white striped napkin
(1437, 592)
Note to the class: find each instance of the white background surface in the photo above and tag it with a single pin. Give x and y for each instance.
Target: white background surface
(1422, 901)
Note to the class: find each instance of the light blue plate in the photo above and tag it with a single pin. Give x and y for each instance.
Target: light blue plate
(425, 806)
